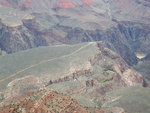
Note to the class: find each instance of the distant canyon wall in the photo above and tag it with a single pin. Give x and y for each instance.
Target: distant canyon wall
(126, 39)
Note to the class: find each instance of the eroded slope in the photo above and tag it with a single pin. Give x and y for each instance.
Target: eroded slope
(84, 71)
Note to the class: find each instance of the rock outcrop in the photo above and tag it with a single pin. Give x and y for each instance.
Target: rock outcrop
(123, 30)
(51, 101)
(84, 71)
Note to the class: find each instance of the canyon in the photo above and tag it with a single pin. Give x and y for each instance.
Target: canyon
(74, 56)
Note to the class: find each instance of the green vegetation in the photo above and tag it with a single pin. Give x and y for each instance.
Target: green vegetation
(1, 99)
(106, 71)
(143, 68)
(16, 109)
(132, 99)
(0, 52)
(45, 59)
(106, 80)
(98, 103)
(87, 108)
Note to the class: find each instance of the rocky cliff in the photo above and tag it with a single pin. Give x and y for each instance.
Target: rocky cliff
(14, 36)
(47, 101)
(86, 72)
(123, 25)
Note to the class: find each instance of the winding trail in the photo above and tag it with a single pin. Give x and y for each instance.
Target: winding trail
(45, 61)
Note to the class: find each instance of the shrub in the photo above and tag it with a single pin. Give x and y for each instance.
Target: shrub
(106, 80)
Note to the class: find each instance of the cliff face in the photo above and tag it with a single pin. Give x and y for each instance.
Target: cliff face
(113, 37)
(124, 39)
(20, 31)
(122, 25)
(137, 34)
(14, 35)
(86, 71)
(13, 39)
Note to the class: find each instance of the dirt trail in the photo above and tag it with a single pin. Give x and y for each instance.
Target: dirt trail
(45, 61)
